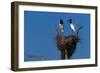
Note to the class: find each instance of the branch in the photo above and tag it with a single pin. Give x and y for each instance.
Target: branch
(79, 29)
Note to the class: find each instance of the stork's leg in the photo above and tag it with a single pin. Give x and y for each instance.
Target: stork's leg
(63, 54)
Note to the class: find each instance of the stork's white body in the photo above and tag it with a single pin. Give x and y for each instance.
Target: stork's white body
(61, 27)
(72, 27)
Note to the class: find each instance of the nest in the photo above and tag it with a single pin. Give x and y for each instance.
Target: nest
(67, 45)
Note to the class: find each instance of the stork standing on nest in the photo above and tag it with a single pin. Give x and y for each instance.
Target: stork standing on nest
(61, 26)
(72, 25)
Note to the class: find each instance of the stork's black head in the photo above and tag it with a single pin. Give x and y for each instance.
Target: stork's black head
(70, 20)
(61, 21)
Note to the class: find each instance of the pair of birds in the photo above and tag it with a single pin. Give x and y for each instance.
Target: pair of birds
(61, 25)
(66, 43)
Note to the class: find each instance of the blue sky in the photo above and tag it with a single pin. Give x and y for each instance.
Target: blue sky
(39, 35)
